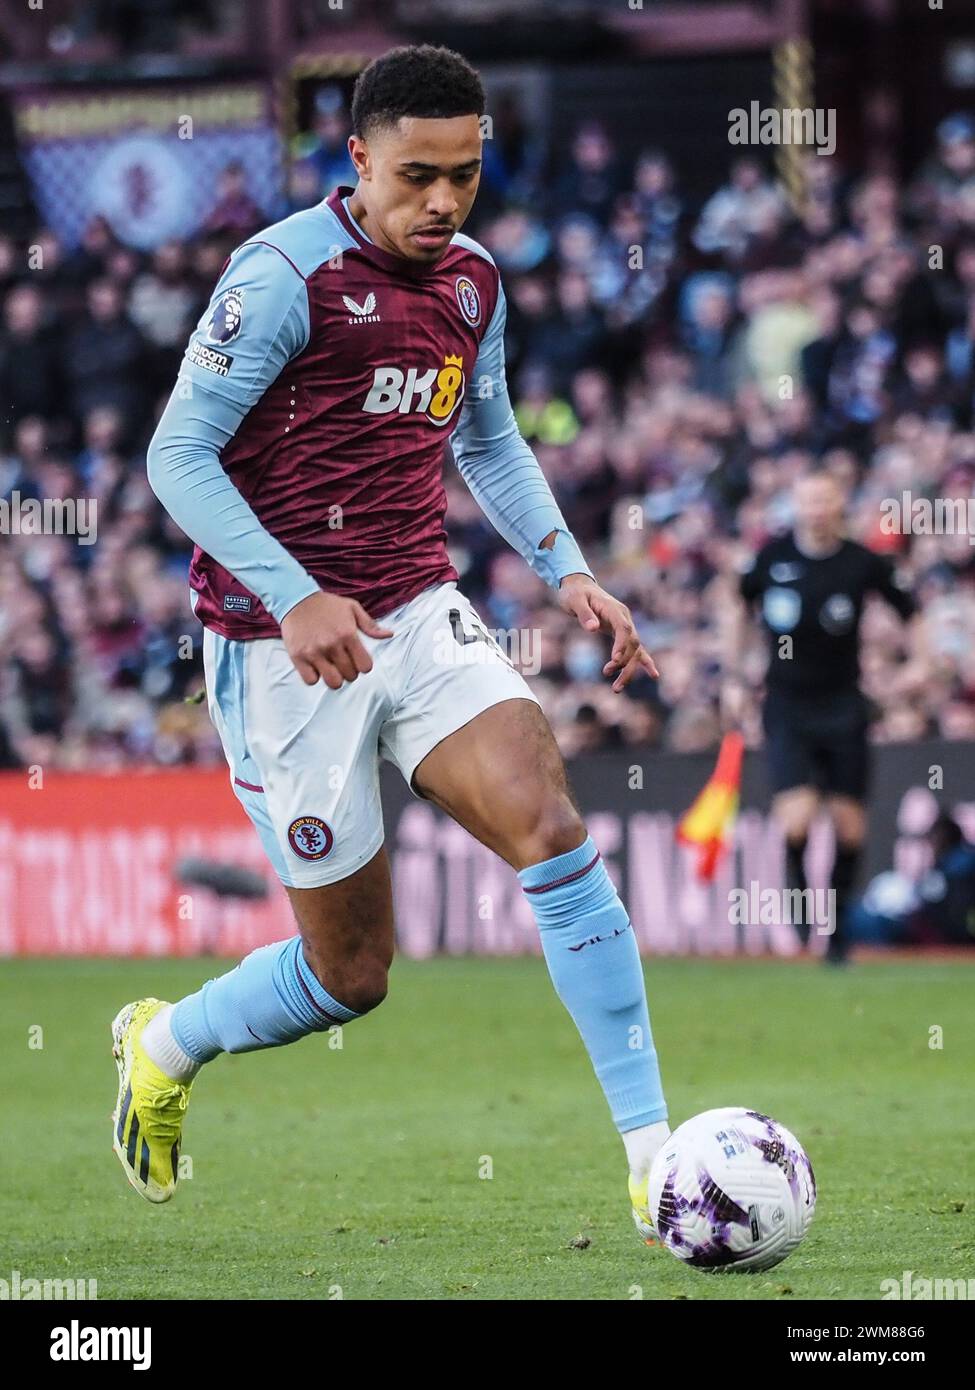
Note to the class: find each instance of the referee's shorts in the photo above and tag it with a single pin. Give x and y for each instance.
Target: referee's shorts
(818, 741)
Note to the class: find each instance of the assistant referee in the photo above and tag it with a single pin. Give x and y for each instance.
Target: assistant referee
(810, 587)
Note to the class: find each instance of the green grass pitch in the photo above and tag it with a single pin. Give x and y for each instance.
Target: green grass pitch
(321, 1173)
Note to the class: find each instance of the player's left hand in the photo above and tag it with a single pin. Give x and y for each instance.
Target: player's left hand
(598, 611)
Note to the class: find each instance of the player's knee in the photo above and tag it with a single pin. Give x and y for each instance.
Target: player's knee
(556, 829)
(849, 822)
(365, 984)
(360, 983)
(795, 812)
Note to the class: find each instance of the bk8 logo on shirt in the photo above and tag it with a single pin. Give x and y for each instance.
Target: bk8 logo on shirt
(433, 392)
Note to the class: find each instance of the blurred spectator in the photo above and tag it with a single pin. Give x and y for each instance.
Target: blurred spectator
(41, 696)
(236, 213)
(543, 417)
(161, 302)
(163, 306)
(518, 241)
(737, 213)
(104, 356)
(29, 369)
(577, 330)
(938, 909)
(90, 257)
(591, 177)
(513, 154)
(924, 387)
(654, 188)
(707, 321)
(860, 372)
(945, 174)
(323, 151)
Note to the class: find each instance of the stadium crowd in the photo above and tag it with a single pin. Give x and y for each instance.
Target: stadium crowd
(676, 367)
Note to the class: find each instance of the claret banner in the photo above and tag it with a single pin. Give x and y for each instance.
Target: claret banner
(97, 864)
(148, 159)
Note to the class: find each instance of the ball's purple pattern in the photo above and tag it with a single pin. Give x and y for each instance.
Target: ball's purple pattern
(732, 1189)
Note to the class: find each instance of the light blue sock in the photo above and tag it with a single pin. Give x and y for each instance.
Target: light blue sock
(272, 998)
(594, 963)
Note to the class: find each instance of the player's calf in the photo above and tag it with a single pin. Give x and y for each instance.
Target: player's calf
(272, 998)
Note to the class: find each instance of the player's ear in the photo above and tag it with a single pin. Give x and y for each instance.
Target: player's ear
(359, 154)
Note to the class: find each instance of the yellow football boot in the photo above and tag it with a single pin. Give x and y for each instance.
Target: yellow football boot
(640, 1203)
(148, 1119)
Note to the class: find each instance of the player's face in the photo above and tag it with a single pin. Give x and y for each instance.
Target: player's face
(819, 505)
(417, 181)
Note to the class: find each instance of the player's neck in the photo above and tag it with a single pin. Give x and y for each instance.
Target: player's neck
(356, 209)
(814, 548)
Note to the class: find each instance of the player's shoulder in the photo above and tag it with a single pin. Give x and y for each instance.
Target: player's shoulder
(775, 549)
(849, 546)
(463, 243)
(469, 258)
(753, 566)
(299, 244)
(477, 281)
(862, 557)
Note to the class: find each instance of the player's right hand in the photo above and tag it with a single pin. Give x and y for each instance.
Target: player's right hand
(321, 634)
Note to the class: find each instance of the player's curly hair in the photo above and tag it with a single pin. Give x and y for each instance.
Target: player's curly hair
(420, 80)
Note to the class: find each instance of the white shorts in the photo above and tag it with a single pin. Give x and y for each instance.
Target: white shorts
(304, 759)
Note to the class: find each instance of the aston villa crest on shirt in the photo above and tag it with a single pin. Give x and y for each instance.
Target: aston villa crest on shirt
(469, 300)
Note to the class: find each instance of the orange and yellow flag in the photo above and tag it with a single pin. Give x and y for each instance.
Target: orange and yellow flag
(710, 821)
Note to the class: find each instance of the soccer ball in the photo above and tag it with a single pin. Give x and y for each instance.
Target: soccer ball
(732, 1190)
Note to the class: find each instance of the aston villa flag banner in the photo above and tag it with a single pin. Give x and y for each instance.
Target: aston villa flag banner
(148, 159)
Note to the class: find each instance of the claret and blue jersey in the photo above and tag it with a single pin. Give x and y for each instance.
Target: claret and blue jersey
(303, 446)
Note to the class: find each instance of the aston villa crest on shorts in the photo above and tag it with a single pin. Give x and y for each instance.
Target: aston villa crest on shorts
(310, 838)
